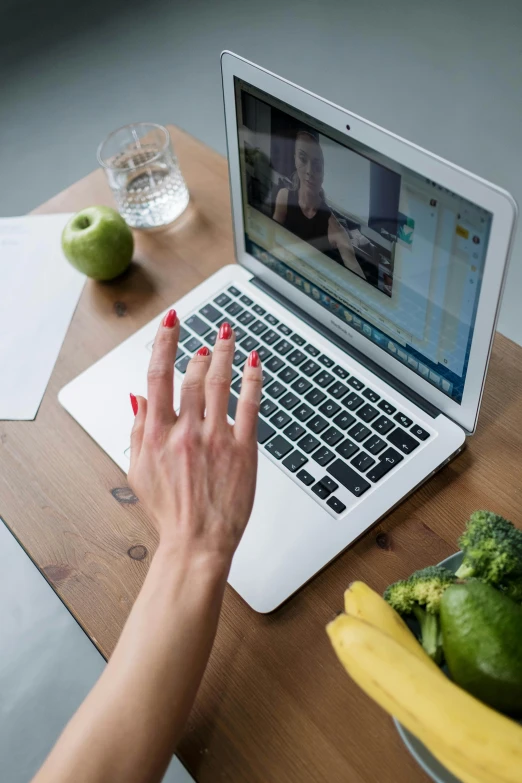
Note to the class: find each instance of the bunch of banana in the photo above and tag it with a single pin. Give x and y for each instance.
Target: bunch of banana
(476, 743)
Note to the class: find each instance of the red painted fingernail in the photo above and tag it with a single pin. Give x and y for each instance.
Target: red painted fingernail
(203, 351)
(225, 332)
(170, 319)
(134, 403)
(253, 359)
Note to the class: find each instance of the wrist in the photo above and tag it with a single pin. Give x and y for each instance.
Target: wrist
(190, 559)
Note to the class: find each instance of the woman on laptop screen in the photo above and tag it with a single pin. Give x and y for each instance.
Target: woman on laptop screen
(303, 210)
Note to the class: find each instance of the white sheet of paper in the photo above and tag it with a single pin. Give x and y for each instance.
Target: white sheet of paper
(39, 291)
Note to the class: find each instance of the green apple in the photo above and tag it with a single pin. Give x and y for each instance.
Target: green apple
(98, 242)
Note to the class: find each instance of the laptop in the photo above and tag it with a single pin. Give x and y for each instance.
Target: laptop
(369, 275)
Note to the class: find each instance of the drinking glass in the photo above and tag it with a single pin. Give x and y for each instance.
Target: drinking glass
(144, 174)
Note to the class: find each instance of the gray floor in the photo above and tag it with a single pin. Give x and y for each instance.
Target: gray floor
(446, 75)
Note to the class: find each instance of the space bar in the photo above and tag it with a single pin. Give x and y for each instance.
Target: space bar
(348, 477)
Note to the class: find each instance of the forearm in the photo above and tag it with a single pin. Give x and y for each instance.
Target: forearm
(350, 261)
(128, 727)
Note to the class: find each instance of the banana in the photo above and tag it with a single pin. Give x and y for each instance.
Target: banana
(363, 602)
(466, 735)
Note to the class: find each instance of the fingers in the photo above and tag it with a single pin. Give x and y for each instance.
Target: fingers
(245, 427)
(139, 407)
(219, 375)
(193, 388)
(160, 377)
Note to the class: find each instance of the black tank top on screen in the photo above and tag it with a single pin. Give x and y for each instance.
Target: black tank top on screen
(313, 230)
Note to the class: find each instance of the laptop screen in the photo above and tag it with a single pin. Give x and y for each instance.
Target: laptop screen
(395, 255)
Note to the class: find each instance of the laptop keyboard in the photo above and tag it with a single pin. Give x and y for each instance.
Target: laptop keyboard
(318, 421)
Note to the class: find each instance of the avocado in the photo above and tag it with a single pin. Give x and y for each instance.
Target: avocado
(482, 641)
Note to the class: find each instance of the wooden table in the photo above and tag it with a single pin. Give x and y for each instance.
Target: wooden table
(275, 705)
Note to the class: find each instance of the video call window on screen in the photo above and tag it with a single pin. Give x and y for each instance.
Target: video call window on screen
(338, 201)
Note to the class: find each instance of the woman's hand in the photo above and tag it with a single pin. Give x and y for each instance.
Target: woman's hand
(194, 472)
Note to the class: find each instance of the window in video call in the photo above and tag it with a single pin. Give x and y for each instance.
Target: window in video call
(395, 255)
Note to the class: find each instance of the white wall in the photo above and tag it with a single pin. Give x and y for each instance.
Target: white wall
(346, 179)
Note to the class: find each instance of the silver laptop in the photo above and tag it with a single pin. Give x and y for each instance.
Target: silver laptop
(369, 278)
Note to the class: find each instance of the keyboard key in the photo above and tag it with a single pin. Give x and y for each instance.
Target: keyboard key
(246, 300)
(347, 449)
(211, 338)
(419, 432)
(294, 431)
(403, 440)
(264, 353)
(245, 318)
(296, 357)
(211, 313)
(192, 345)
(233, 290)
(267, 407)
(234, 309)
(303, 412)
(375, 444)
(329, 408)
(237, 385)
(367, 412)
(249, 343)
(239, 332)
(320, 490)
(308, 443)
(305, 477)
(315, 397)
(222, 300)
(336, 504)
(179, 353)
(294, 461)
(383, 425)
(183, 364)
(274, 364)
(276, 390)
(258, 309)
(387, 461)
(340, 372)
(284, 329)
(317, 424)
(324, 379)
(288, 375)
(323, 456)
(270, 318)
(232, 406)
(327, 482)
(264, 431)
(326, 361)
(363, 461)
(258, 327)
(280, 420)
(301, 385)
(278, 446)
(355, 383)
(183, 334)
(297, 339)
(289, 401)
(331, 436)
(344, 420)
(312, 350)
(270, 337)
(338, 390)
(283, 347)
(239, 357)
(353, 401)
(266, 378)
(359, 432)
(197, 325)
(402, 419)
(370, 395)
(386, 407)
(310, 368)
(353, 482)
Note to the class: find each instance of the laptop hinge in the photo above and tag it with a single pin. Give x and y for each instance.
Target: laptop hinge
(385, 376)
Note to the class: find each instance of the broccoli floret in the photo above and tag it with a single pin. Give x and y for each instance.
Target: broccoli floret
(492, 549)
(420, 595)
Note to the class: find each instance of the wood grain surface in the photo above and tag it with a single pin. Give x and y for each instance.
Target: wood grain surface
(275, 705)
